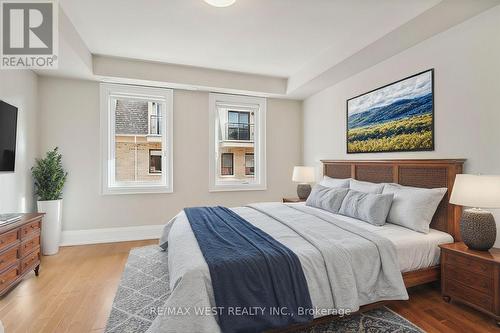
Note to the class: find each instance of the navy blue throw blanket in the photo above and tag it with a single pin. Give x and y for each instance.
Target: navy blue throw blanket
(258, 282)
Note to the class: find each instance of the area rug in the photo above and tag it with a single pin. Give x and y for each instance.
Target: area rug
(145, 285)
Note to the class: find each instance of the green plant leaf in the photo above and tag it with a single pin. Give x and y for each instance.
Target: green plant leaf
(49, 176)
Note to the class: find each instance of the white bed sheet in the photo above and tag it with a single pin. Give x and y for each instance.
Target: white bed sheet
(415, 250)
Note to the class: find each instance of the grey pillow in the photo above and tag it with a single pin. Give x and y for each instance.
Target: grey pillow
(327, 198)
(334, 182)
(413, 207)
(368, 207)
(366, 187)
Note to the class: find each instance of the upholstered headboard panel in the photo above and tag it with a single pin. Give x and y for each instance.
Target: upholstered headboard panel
(418, 173)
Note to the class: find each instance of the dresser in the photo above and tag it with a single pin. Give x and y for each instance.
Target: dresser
(19, 250)
(471, 277)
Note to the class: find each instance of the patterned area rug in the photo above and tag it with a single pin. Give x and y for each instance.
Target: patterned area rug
(145, 286)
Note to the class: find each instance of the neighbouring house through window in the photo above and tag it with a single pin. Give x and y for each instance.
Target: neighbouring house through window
(237, 142)
(137, 135)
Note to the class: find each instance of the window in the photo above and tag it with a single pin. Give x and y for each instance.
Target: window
(154, 117)
(136, 138)
(237, 143)
(238, 125)
(155, 161)
(249, 165)
(227, 164)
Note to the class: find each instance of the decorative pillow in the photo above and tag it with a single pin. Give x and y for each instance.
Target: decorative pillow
(327, 198)
(366, 187)
(368, 207)
(334, 182)
(413, 207)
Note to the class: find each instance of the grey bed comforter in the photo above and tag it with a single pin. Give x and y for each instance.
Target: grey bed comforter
(345, 266)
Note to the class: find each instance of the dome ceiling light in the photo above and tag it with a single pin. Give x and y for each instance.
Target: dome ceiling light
(220, 3)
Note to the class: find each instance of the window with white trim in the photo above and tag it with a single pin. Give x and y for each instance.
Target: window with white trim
(237, 143)
(136, 139)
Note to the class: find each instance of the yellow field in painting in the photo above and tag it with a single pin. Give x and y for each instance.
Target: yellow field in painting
(404, 134)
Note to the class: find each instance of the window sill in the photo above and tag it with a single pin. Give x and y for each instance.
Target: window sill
(237, 188)
(136, 190)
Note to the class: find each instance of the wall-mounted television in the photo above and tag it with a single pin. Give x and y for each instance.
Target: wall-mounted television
(8, 127)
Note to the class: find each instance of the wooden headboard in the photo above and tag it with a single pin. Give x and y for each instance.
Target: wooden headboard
(418, 173)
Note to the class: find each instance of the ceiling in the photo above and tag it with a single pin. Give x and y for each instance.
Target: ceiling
(270, 37)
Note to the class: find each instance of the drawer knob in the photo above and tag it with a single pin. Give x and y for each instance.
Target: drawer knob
(1, 261)
(2, 281)
(2, 241)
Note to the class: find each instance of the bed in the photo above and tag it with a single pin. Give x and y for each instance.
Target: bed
(374, 271)
(425, 173)
(416, 251)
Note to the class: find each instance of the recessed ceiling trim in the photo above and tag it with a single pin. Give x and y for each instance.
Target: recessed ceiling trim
(189, 76)
(448, 13)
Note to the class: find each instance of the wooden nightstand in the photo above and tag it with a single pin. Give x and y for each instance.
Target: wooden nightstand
(293, 200)
(471, 277)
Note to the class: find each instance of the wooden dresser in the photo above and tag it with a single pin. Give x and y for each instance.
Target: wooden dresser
(471, 277)
(19, 250)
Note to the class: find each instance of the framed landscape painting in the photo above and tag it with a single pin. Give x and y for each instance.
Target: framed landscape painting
(395, 117)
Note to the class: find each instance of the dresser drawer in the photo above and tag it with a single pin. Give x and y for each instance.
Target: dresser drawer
(29, 246)
(29, 261)
(481, 283)
(8, 258)
(8, 239)
(30, 229)
(7, 277)
(456, 289)
(468, 264)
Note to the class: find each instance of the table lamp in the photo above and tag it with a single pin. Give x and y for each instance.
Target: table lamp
(477, 226)
(304, 176)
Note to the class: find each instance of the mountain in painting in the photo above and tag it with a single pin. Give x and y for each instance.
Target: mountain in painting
(403, 108)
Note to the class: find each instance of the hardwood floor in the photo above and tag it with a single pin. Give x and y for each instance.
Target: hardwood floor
(73, 293)
(75, 290)
(426, 309)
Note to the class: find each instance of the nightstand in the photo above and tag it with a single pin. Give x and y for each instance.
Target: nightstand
(293, 200)
(471, 277)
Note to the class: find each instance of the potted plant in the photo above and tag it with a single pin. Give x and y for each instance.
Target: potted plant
(50, 177)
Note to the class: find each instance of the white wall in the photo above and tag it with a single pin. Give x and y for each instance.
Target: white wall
(19, 88)
(466, 59)
(69, 118)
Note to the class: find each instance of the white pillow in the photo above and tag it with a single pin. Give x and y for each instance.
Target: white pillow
(413, 207)
(368, 207)
(366, 187)
(334, 182)
(327, 198)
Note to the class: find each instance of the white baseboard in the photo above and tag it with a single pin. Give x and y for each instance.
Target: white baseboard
(110, 235)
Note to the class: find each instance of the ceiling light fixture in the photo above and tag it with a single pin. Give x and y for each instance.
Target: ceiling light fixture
(220, 3)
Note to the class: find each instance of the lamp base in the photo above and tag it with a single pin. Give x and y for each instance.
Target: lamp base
(478, 229)
(303, 191)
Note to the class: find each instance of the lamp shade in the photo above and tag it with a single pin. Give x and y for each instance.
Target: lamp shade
(476, 191)
(303, 174)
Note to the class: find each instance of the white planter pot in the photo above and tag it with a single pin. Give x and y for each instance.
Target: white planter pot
(51, 225)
